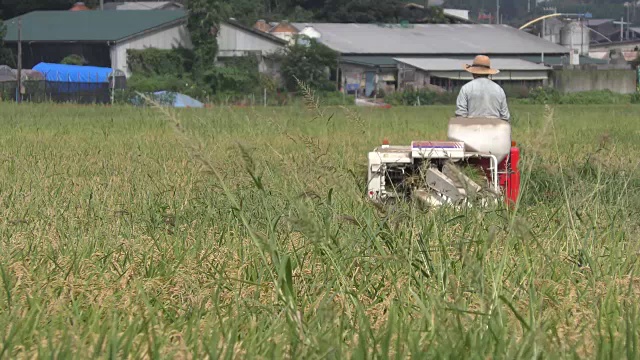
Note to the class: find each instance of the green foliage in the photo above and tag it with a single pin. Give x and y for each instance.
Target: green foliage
(361, 11)
(544, 95)
(74, 59)
(309, 61)
(6, 56)
(552, 96)
(420, 97)
(153, 83)
(204, 24)
(153, 61)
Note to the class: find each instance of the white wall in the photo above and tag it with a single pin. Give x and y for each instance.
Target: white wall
(457, 12)
(233, 41)
(174, 37)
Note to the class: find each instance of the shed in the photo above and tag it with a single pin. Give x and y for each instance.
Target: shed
(449, 73)
(101, 37)
(236, 40)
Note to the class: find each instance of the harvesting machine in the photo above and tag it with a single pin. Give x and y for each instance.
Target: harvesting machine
(433, 171)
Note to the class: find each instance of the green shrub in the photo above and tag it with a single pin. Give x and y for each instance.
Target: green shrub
(544, 95)
(552, 96)
(153, 61)
(74, 59)
(421, 97)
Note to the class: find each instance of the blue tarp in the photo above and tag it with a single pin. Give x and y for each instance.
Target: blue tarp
(177, 99)
(74, 73)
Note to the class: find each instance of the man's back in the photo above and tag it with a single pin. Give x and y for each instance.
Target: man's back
(482, 98)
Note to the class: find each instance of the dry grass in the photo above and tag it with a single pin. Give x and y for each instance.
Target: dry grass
(133, 233)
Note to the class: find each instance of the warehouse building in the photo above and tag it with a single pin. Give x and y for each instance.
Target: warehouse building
(102, 38)
(392, 57)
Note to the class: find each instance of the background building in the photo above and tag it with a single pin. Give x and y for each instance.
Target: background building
(102, 38)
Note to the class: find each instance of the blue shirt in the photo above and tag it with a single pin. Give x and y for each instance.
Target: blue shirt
(482, 97)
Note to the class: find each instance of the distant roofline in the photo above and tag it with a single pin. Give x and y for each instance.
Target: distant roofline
(265, 35)
(471, 55)
(181, 19)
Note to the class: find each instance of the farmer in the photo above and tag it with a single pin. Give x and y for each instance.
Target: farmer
(481, 97)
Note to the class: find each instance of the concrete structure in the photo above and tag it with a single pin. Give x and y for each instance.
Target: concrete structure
(587, 79)
(575, 36)
(235, 40)
(101, 37)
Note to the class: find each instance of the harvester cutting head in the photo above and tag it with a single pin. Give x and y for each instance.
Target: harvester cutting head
(432, 171)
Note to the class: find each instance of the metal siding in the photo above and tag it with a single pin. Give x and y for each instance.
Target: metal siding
(171, 38)
(236, 42)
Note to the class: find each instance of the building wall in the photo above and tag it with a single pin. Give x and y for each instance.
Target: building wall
(174, 37)
(616, 80)
(353, 74)
(412, 78)
(233, 41)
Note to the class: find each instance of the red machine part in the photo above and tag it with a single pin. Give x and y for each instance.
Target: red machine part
(510, 175)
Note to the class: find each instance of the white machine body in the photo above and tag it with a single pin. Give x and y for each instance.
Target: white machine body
(389, 168)
(427, 170)
(483, 135)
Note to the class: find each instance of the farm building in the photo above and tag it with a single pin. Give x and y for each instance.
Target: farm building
(102, 38)
(238, 40)
(392, 57)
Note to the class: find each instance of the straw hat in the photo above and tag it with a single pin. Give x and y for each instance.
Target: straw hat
(481, 66)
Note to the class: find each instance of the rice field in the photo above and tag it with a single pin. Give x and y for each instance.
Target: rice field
(245, 233)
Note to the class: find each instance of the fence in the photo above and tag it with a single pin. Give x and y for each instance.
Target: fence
(62, 91)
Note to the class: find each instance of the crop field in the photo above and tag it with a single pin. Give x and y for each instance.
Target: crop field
(245, 233)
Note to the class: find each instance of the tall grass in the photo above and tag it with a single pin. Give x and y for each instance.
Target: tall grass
(135, 233)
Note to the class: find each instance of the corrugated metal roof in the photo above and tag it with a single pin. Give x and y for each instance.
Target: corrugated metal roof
(372, 61)
(560, 60)
(431, 39)
(457, 64)
(107, 25)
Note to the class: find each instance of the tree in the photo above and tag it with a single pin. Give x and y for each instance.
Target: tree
(74, 59)
(204, 24)
(309, 61)
(6, 56)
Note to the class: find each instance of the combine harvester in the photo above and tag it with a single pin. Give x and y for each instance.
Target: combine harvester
(430, 171)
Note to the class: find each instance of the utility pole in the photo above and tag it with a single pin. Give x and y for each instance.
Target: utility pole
(628, 5)
(497, 11)
(101, 4)
(19, 80)
(622, 28)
